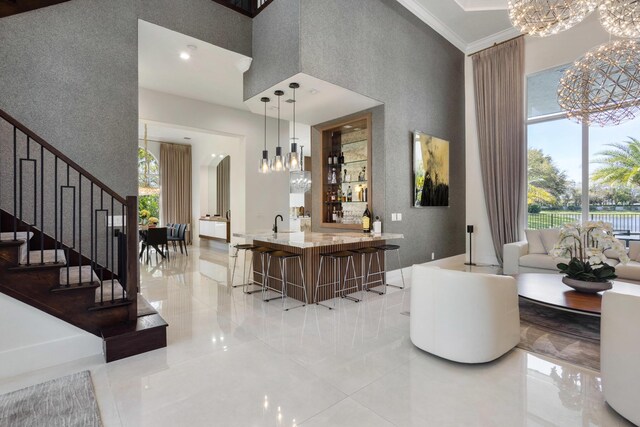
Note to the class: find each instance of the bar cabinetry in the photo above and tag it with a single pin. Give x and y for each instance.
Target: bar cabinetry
(346, 177)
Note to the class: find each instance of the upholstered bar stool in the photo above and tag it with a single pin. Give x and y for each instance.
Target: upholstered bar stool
(282, 257)
(391, 248)
(366, 275)
(338, 286)
(238, 248)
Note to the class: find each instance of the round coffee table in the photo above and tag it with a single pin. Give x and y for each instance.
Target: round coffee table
(548, 289)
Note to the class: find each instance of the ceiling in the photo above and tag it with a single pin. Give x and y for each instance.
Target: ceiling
(212, 74)
(211, 147)
(470, 25)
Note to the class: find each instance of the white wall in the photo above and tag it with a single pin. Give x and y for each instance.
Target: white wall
(266, 195)
(213, 190)
(34, 340)
(540, 54)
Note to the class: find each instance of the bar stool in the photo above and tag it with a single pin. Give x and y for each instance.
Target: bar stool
(282, 257)
(336, 259)
(389, 248)
(238, 248)
(366, 271)
(263, 253)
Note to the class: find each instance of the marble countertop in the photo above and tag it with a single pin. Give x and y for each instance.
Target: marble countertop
(214, 219)
(307, 239)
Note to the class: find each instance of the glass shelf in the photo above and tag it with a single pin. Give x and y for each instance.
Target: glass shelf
(354, 142)
(349, 183)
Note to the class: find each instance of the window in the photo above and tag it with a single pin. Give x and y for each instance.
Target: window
(576, 172)
(148, 183)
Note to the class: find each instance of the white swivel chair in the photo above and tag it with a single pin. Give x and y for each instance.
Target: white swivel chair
(620, 353)
(464, 317)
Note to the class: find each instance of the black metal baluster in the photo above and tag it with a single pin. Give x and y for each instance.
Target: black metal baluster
(123, 257)
(55, 208)
(15, 190)
(80, 230)
(107, 251)
(110, 237)
(91, 263)
(41, 204)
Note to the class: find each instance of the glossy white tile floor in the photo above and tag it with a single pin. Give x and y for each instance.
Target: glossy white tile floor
(235, 361)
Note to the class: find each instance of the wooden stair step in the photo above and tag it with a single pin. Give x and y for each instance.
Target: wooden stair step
(128, 339)
(44, 257)
(77, 274)
(20, 235)
(76, 287)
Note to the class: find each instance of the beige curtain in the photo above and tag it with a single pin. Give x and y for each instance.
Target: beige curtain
(498, 75)
(223, 186)
(175, 179)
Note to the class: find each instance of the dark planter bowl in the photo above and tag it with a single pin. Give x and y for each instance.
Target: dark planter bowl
(587, 287)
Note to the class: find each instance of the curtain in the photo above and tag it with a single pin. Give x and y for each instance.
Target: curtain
(223, 186)
(498, 75)
(175, 181)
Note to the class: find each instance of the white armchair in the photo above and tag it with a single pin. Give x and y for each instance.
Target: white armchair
(620, 352)
(464, 317)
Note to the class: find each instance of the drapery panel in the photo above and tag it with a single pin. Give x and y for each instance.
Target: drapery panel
(175, 179)
(498, 75)
(223, 186)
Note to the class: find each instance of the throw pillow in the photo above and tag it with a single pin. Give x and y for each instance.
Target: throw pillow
(549, 237)
(535, 242)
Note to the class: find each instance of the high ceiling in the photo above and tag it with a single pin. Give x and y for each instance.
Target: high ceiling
(470, 25)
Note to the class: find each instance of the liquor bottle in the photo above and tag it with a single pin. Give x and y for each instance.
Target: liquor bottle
(328, 196)
(344, 196)
(333, 196)
(329, 175)
(335, 158)
(360, 176)
(345, 176)
(366, 195)
(334, 179)
(366, 220)
(334, 215)
(341, 158)
(330, 160)
(339, 195)
(349, 195)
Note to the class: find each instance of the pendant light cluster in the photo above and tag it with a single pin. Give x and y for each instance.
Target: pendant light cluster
(547, 17)
(280, 163)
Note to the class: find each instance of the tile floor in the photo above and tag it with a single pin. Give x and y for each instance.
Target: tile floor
(235, 361)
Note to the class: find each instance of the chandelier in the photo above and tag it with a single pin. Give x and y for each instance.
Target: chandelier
(547, 17)
(621, 17)
(603, 87)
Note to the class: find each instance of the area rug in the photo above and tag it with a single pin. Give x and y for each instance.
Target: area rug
(568, 336)
(64, 402)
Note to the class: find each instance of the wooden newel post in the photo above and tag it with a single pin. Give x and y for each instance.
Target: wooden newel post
(133, 277)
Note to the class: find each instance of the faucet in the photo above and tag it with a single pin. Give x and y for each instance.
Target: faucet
(275, 223)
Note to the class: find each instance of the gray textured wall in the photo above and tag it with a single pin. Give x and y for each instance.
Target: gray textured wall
(379, 49)
(276, 46)
(70, 73)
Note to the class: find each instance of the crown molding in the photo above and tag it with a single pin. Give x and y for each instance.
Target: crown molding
(488, 41)
(428, 18)
(481, 5)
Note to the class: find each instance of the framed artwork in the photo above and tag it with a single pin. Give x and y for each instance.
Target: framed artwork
(430, 171)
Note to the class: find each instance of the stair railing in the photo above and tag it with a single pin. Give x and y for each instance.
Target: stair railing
(88, 224)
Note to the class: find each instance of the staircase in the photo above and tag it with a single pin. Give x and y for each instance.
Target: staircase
(68, 245)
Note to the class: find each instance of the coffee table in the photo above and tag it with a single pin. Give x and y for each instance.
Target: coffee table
(548, 289)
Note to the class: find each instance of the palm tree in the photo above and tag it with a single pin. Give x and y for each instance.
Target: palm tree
(621, 164)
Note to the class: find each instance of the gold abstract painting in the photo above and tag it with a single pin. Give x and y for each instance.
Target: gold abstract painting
(430, 171)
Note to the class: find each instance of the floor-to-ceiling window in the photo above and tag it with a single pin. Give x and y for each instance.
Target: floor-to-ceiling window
(577, 172)
(148, 184)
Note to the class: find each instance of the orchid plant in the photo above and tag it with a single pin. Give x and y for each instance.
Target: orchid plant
(585, 245)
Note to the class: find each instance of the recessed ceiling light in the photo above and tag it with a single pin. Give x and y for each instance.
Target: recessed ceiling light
(347, 126)
(186, 54)
(222, 155)
(213, 155)
(313, 91)
(187, 138)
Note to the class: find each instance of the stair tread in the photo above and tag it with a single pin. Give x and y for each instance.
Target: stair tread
(77, 274)
(47, 256)
(141, 324)
(107, 294)
(20, 235)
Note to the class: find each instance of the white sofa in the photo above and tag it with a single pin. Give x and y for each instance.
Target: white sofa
(532, 256)
(620, 352)
(464, 317)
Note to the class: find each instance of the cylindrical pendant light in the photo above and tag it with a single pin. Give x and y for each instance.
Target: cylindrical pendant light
(264, 162)
(278, 162)
(293, 158)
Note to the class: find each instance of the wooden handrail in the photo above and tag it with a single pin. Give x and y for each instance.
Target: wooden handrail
(25, 130)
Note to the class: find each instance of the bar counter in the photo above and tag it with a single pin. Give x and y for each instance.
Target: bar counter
(310, 245)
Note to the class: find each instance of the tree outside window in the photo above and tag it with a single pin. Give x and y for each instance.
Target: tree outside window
(148, 183)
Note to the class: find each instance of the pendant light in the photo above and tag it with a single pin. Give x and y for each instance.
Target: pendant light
(278, 162)
(293, 159)
(264, 162)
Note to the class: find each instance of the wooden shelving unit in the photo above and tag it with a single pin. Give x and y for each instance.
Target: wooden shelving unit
(352, 139)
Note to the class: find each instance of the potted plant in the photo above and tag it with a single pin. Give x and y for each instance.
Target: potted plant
(584, 245)
(153, 221)
(144, 216)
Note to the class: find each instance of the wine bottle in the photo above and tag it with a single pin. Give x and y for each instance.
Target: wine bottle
(341, 158)
(366, 195)
(334, 215)
(349, 195)
(366, 220)
(335, 158)
(329, 159)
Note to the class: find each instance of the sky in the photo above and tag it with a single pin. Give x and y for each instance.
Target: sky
(562, 140)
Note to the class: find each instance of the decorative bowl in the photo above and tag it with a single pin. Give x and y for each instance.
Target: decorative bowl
(587, 287)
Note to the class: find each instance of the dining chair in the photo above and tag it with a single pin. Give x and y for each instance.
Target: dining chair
(157, 238)
(180, 237)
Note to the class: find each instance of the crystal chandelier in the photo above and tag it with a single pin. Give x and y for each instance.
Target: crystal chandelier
(621, 17)
(547, 17)
(603, 87)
